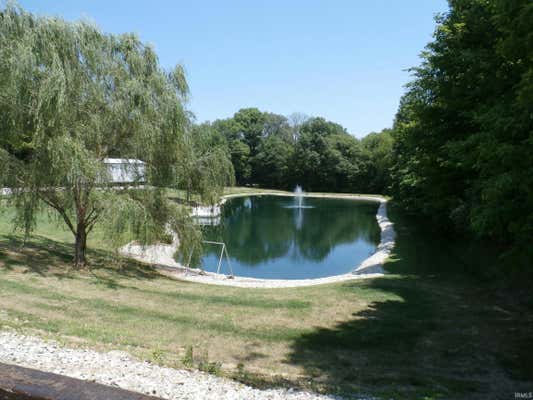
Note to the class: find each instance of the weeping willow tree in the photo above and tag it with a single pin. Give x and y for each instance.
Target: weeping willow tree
(70, 97)
(206, 164)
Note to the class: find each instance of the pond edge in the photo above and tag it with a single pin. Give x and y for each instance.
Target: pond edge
(161, 255)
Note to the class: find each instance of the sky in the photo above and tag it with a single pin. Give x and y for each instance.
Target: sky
(344, 60)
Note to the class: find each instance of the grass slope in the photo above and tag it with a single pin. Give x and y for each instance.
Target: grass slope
(421, 332)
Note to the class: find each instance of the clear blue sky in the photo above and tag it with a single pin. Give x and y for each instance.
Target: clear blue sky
(344, 60)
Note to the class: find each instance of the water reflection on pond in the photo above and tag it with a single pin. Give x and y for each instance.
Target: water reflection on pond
(267, 237)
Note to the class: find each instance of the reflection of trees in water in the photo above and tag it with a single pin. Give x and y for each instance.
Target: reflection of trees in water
(272, 230)
(333, 222)
(254, 239)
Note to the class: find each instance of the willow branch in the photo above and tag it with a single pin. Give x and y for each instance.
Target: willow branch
(60, 210)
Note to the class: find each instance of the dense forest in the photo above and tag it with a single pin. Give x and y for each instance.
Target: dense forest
(459, 151)
(274, 151)
(464, 129)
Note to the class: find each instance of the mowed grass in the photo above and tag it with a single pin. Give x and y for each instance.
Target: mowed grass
(420, 332)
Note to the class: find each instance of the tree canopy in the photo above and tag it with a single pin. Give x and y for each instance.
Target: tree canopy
(70, 97)
(205, 165)
(464, 128)
(275, 151)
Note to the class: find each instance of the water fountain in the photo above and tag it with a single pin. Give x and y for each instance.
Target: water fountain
(298, 194)
(298, 202)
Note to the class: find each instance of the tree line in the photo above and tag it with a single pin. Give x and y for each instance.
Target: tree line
(464, 129)
(275, 151)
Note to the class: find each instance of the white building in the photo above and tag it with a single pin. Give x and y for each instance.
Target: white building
(125, 170)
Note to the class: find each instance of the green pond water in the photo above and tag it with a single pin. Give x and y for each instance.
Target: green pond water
(270, 237)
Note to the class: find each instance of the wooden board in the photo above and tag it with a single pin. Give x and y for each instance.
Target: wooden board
(19, 383)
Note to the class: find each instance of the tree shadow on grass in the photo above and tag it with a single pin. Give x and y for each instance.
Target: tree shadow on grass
(423, 252)
(43, 256)
(414, 341)
(429, 333)
(38, 255)
(377, 347)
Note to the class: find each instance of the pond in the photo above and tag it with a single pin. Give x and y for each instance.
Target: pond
(271, 237)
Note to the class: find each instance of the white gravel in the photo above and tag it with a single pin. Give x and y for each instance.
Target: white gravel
(161, 255)
(117, 368)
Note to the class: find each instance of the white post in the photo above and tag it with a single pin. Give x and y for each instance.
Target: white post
(222, 251)
(220, 258)
(227, 258)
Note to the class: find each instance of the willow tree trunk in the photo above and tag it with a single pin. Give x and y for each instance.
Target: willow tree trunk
(80, 246)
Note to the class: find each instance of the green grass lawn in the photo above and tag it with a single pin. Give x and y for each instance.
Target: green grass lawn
(426, 331)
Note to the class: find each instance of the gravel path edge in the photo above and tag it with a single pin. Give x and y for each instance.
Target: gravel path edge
(119, 369)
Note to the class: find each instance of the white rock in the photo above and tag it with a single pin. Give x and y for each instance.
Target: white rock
(117, 368)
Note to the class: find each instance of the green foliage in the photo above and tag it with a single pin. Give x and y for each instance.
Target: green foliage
(248, 135)
(205, 167)
(271, 164)
(327, 158)
(279, 152)
(239, 150)
(250, 122)
(378, 150)
(157, 355)
(464, 128)
(188, 358)
(211, 367)
(71, 96)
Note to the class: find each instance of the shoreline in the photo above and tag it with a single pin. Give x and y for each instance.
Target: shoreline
(161, 255)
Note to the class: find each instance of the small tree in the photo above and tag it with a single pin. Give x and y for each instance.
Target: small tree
(71, 96)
